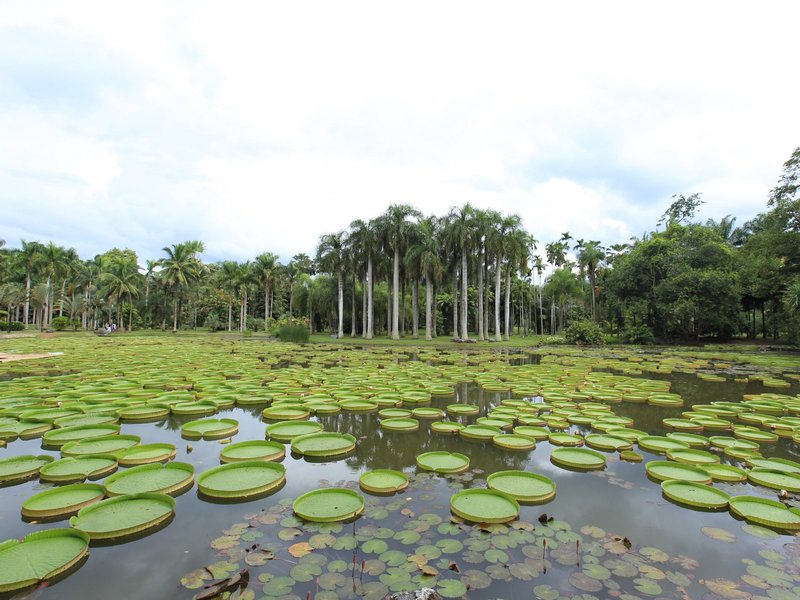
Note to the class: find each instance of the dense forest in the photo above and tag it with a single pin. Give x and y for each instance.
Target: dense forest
(469, 274)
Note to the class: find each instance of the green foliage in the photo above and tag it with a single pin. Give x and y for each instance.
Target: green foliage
(293, 333)
(583, 332)
(213, 322)
(254, 323)
(638, 334)
(60, 323)
(552, 340)
(14, 326)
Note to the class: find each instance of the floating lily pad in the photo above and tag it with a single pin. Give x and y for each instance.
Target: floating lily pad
(511, 441)
(763, 511)
(662, 470)
(285, 413)
(694, 494)
(78, 468)
(631, 456)
(146, 453)
(484, 506)
(40, 556)
(523, 486)
(608, 442)
(772, 478)
(578, 458)
(532, 431)
(427, 412)
(209, 429)
(172, 478)
(253, 450)
(62, 501)
(63, 435)
(11, 430)
(775, 464)
(692, 456)
(565, 439)
(443, 462)
(400, 424)
(20, 468)
(286, 431)
(241, 480)
(148, 412)
(124, 516)
(102, 445)
(383, 481)
(660, 444)
(329, 505)
(446, 427)
(725, 473)
(463, 409)
(324, 444)
(691, 439)
(479, 432)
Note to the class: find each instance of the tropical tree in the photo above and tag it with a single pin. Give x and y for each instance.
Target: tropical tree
(121, 278)
(460, 233)
(180, 271)
(396, 229)
(364, 241)
(590, 256)
(331, 256)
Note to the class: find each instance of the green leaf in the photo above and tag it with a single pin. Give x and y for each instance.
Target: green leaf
(374, 546)
(451, 588)
(407, 536)
(278, 586)
(494, 555)
(449, 546)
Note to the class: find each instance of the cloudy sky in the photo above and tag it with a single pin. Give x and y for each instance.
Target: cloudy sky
(258, 126)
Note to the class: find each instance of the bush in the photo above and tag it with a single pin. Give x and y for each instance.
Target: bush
(14, 326)
(638, 334)
(212, 322)
(60, 323)
(254, 323)
(293, 333)
(552, 340)
(584, 332)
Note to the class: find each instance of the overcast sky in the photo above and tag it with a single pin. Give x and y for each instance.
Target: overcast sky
(258, 126)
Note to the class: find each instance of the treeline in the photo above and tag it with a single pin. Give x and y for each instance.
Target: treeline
(470, 274)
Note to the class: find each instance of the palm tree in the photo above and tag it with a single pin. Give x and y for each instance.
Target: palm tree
(12, 295)
(426, 261)
(396, 230)
(331, 259)
(538, 264)
(560, 287)
(461, 238)
(364, 240)
(30, 257)
(264, 268)
(591, 256)
(121, 277)
(181, 269)
(517, 249)
(244, 278)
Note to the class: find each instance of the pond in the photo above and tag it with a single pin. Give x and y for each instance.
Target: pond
(607, 532)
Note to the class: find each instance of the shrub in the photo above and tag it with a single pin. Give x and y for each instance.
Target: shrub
(212, 322)
(638, 334)
(15, 326)
(584, 332)
(254, 323)
(552, 340)
(293, 333)
(60, 323)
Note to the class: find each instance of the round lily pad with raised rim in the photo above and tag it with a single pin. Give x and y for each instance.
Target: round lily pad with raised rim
(692, 439)
(565, 439)
(146, 453)
(463, 409)
(195, 407)
(772, 478)
(24, 429)
(607, 442)
(479, 432)
(19, 468)
(752, 435)
(662, 470)
(427, 412)
(40, 556)
(78, 468)
(693, 494)
(329, 505)
(682, 424)
(532, 431)
(484, 506)
(286, 431)
(146, 412)
(399, 424)
(448, 427)
(725, 441)
(358, 406)
(776, 464)
(443, 462)
(495, 421)
(394, 413)
(103, 445)
(253, 450)
(209, 429)
(727, 473)
(523, 486)
(692, 456)
(631, 456)
(512, 441)
(324, 444)
(383, 481)
(659, 444)
(763, 511)
(285, 413)
(63, 435)
(241, 480)
(578, 458)
(124, 516)
(173, 478)
(63, 501)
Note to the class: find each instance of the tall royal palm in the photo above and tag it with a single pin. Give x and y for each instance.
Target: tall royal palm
(425, 253)
(364, 240)
(591, 256)
(461, 236)
(331, 259)
(30, 257)
(180, 270)
(264, 269)
(396, 231)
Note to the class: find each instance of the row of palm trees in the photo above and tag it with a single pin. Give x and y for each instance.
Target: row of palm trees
(475, 266)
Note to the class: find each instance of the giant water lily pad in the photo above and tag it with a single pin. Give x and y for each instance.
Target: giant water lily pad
(62, 501)
(78, 468)
(446, 427)
(124, 516)
(725, 473)
(512, 441)
(173, 478)
(42, 555)
(484, 506)
(659, 444)
(241, 480)
(285, 413)
(694, 494)
(101, 445)
(13, 429)
(324, 444)
(253, 450)
(608, 442)
(692, 456)
(383, 481)
(63, 435)
(209, 429)
(775, 464)
(662, 470)
(773, 478)
(328, 505)
(286, 431)
(763, 511)
(578, 458)
(479, 432)
(20, 468)
(146, 453)
(147, 412)
(400, 424)
(523, 486)
(443, 462)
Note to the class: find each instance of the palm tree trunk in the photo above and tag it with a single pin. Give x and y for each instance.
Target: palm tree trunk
(508, 301)
(370, 300)
(388, 310)
(230, 315)
(428, 308)
(340, 278)
(403, 305)
(464, 297)
(130, 312)
(395, 294)
(175, 314)
(266, 308)
(479, 315)
(415, 309)
(364, 308)
(434, 312)
(27, 296)
(497, 336)
(455, 301)
(61, 300)
(354, 316)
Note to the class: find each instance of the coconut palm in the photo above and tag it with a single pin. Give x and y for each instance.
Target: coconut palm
(180, 270)
(331, 259)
